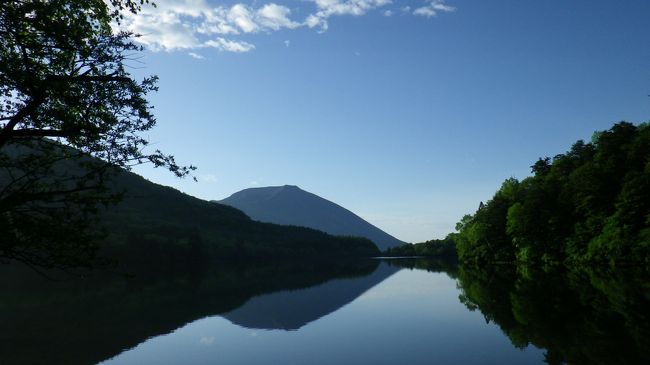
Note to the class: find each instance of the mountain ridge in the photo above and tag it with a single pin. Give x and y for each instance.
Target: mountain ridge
(143, 226)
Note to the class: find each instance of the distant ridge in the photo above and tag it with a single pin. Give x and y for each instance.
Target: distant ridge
(290, 205)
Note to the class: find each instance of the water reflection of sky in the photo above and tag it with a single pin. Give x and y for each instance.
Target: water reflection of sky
(413, 317)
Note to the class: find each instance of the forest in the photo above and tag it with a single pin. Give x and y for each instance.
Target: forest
(444, 249)
(588, 205)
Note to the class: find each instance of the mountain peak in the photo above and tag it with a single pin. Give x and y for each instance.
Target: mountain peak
(290, 187)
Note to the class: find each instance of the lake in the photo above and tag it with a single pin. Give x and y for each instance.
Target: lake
(363, 312)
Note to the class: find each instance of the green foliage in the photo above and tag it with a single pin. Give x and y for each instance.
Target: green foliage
(443, 249)
(591, 204)
(483, 236)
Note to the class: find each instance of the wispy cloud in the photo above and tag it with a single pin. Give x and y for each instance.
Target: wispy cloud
(229, 45)
(196, 56)
(328, 8)
(195, 24)
(275, 17)
(433, 8)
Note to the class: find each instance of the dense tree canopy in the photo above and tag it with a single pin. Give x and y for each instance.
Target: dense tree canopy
(444, 249)
(589, 204)
(70, 112)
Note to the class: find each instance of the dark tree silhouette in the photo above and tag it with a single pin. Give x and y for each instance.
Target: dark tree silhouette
(70, 115)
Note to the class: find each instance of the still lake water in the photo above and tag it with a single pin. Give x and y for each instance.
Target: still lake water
(395, 312)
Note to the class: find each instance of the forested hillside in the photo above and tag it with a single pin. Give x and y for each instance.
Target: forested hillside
(442, 249)
(590, 204)
(154, 222)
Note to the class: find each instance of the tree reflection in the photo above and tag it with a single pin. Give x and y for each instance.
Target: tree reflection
(579, 317)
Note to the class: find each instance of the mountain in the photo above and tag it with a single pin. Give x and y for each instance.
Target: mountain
(290, 205)
(158, 223)
(151, 227)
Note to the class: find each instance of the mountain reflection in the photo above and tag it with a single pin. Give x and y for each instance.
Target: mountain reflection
(76, 321)
(290, 310)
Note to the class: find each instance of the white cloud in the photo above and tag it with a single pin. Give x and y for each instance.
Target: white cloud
(348, 7)
(424, 11)
(216, 21)
(433, 8)
(275, 17)
(191, 24)
(228, 45)
(198, 57)
(242, 17)
(328, 8)
(287, 42)
(194, 24)
(313, 21)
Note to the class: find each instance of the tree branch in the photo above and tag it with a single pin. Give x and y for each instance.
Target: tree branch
(8, 131)
(30, 107)
(99, 78)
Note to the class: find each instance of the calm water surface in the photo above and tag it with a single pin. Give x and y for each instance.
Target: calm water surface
(370, 312)
(411, 317)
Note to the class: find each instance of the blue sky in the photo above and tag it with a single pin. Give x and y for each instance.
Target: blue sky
(408, 113)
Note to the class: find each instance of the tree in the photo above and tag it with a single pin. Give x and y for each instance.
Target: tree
(542, 167)
(70, 116)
